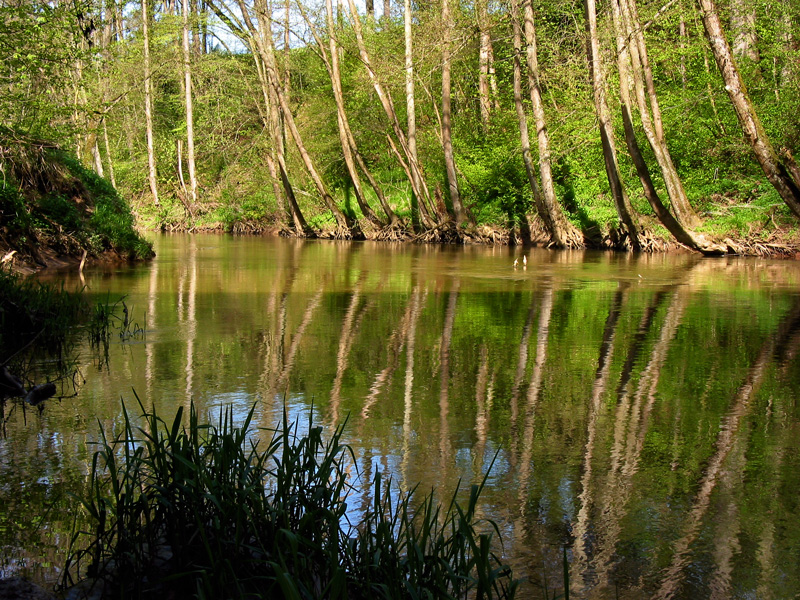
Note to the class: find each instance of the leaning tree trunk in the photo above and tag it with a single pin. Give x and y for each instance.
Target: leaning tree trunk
(331, 61)
(148, 110)
(561, 231)
(417, 181)
(275, 157)
(345, 224)
(653, 125)
(681, 234)
(780, 169)
(621, 201)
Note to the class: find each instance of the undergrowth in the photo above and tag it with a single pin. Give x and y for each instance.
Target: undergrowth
(225, 511)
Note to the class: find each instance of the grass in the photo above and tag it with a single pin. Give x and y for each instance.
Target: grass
(40, 324)
(209, 511)
(49, 198)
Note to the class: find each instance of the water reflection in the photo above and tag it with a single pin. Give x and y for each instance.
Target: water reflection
(640, 411)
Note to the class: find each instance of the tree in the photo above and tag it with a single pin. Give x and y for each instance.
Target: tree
(187, 83)
(447, 129)
(408, 159)
(780, 168)
(562, 232)
(625, 54)
(148, 109)
(621, 201)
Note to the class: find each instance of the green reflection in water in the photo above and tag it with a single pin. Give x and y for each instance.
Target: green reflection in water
(644, 408)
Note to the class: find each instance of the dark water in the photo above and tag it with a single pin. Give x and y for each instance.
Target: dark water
(643, 411)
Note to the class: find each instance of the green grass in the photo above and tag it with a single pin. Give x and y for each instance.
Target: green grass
(225, 511)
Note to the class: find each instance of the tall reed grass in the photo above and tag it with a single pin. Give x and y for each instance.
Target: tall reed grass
(226, 511)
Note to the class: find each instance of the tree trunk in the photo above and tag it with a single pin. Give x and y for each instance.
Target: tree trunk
(743, 27)
(148, 110)
(522, 118)
(780, 169)
(266, 49)
(447, 131)
(417, 182)
(648, 102)
(108, 155)
(411, 116)
(484, 51)
(561, 231)
(332, 65)
(664, 216)
(276, 163)
(187, 84)
(621, 201)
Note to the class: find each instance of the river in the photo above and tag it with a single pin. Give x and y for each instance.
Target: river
(641, 411)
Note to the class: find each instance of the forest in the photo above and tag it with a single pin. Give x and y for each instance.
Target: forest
(628, 124)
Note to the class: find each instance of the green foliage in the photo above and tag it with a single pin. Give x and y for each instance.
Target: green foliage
(211, 509)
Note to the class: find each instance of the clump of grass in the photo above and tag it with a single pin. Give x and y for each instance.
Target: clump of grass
(34, 312)
(208, 511)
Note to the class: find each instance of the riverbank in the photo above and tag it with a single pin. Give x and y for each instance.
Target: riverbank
(55, 212)
(738, 229)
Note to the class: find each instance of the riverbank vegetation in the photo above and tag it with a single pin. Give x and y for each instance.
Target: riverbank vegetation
(40, 325)
(560, 123)
(210, 511)
(52, 208)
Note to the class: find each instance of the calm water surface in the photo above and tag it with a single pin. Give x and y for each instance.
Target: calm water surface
(643, 411)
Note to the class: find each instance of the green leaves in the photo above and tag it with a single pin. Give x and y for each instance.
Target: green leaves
(218, 508)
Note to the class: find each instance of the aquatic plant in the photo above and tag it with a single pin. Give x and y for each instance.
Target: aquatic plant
(217, 511)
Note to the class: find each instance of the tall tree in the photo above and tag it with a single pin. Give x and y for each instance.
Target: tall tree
(187, 88)
(624, 59)
(346, 139)
(251, 36)
(781, 169)
(562, 232)
(650, 112)
(412, 166)
(148, 109)
(447, 129)
(522, 118)
(621, 201)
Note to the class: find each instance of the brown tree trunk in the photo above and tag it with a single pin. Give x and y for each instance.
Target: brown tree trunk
(332, 65)
(561, 231)
(275, 157)
(621, 201)
(484, 51)
(267, 49)
(417, 181)
(780, 169)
